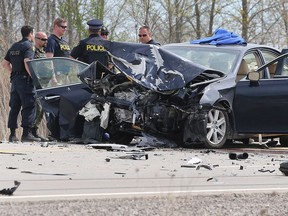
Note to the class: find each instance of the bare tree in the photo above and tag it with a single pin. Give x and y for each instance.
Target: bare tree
(26, 9)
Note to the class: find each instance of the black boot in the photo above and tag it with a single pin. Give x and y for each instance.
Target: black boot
(34, 131)
(12, 136)
(27, 136)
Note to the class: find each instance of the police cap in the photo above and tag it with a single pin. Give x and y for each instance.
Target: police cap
(95, 24)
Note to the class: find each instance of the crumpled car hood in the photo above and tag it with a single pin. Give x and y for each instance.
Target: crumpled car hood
(150, 66)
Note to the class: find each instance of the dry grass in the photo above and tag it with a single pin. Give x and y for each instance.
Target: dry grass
(4, 107)
(4, 103)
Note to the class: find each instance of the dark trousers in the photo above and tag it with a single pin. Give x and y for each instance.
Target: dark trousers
(22, 95)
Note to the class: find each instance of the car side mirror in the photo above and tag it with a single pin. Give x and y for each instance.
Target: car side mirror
(253, 76)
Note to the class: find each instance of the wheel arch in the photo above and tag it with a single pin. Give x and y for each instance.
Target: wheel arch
(229, 110)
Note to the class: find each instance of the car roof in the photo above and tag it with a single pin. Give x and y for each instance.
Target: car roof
(229, 46)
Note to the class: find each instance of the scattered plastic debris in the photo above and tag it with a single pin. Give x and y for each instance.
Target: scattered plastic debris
(266, 170)
(188, 166)
(120, 173)
(191, 162)
(10, 191)
(11, 168)
(235, 156)
(44, 144)
(112, 147)
(194, 160)
(204, 166)
(212, 178)
(39, 173)
(134, 156)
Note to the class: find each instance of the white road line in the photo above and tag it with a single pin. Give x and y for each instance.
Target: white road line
(145, 193)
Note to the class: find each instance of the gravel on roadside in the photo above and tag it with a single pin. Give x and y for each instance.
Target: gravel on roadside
(235, 204)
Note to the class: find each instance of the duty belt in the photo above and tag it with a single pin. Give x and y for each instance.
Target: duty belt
(20, 72)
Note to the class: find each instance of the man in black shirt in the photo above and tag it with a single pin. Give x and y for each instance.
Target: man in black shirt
(22, 93)
(56, 45)
(145, 36)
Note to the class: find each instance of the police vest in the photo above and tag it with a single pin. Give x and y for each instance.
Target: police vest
(95, 52)
(64, 49)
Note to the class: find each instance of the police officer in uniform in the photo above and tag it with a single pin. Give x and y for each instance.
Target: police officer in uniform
(56, 45)
(22, 93)
(91, 48)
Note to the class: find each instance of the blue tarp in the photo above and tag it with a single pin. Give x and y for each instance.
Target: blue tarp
(221, 37)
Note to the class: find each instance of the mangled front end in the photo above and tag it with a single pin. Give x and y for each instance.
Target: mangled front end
(149, 90)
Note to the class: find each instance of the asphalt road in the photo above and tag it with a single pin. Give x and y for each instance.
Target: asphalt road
(63, 171)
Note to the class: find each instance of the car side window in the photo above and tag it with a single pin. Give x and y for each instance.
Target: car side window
(249, 63)
(269, 56)
(254, 63)
(65, 71)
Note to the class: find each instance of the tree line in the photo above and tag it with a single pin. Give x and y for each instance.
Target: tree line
(258, 21)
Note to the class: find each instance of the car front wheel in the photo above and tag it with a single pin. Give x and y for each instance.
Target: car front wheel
(217, 127)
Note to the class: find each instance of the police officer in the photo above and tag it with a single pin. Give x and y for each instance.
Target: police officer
(22, 93)
(145, 36)
(56, 45)
(104, 33)
(91, 48)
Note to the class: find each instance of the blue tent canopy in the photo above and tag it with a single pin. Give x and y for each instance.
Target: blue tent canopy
(221, 37)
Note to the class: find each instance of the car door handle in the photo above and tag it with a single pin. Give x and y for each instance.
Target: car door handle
(51, 97)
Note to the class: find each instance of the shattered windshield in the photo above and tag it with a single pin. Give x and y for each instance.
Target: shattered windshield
(49, 72)
(217, 59)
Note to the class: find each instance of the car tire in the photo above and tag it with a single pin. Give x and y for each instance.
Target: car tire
(217, 128)
(283, 141)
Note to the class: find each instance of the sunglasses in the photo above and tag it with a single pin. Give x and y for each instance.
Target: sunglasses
(64, 27)
(42, 39)
(144, 35)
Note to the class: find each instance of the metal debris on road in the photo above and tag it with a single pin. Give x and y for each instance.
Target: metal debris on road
(266, 170)
(235, 156)
(44, 144)
(204, 166)
(188, 166)
(11, 167)
(112, 147)
(212, 178)
(39, 173)
(134, 156)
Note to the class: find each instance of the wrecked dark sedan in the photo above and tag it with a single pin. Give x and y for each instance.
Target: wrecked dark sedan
(209, 95)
